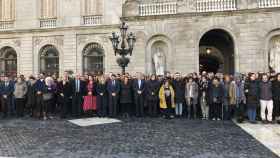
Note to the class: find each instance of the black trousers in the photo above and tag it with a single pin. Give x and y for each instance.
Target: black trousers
(102, 106)
(77, 103)
(215, 110)
(5, 105)
(65, 104)
(20, 106)
(152, 107)
(139, 105)
(113, 105)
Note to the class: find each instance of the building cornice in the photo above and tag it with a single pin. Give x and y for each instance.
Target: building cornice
(58, 29)
(200, 14)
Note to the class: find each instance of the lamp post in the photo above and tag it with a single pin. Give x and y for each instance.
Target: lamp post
(126, 46)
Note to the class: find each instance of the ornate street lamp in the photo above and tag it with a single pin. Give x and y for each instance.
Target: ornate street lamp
(126, 47)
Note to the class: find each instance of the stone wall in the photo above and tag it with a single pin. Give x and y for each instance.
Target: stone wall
(250, 29)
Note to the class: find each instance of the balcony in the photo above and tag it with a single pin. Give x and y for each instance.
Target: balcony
(215, 5)
(5, 25)
(48, 23)
(157, 8)
(268, 3)
(93, 20)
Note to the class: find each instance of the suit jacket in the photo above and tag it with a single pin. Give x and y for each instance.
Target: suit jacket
(136, 87)
(6, 90)
(113, 88)
(82, 86)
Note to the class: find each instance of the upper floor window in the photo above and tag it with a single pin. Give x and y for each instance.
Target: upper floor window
(48, 13)
(7, 14)
(92, 12)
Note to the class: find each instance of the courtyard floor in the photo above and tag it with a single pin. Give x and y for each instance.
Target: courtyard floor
(133, 137)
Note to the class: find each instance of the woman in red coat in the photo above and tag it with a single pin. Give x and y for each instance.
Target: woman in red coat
(90, 99)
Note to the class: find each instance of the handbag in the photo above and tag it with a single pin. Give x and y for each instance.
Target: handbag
(47, 96)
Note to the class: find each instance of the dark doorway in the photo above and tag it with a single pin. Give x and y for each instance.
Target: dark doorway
(216, 52)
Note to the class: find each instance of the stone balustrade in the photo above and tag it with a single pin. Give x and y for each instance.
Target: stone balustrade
(4, 25)
(157, 8)
(48, 23)
(215, 5)
(92, 20)
(268, 3)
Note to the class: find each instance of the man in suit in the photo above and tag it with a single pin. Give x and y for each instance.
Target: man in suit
(78, 91)
(113, 88)
(6, 91)
(139, 89)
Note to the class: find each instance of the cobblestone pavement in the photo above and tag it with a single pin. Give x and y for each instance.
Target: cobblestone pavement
(136, 137)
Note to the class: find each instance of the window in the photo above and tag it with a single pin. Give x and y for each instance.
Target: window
(8, 61)
(7, 14)
(49, 60)
(93, 11)
(93, 59)
(48, 13)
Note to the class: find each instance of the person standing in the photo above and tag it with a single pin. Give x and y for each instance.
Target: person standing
(152, 90)
(179, 88)
(65, 94)
(166, 97)
(113, 89)
(191, 95)
(215, 98)
(48, 96)
(78, 91)
(6, 90)
(89, 105)
(203, 88)
(266, 99)
(226, 97)
(252, 94)
(20, 93)
(31, 96)
(39, 89)
(126, 98)
(139, 88)
(102, 97)
(276, 98)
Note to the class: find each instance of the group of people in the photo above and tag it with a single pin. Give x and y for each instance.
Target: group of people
(252, 96)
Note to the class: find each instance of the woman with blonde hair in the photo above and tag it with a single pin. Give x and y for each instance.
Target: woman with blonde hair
(166, 97)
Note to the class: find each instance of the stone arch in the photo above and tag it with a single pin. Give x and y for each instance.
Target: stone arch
(93, 53)
(8, 61)
(230, 31)
(161, 40)
(83, 41)
(48, 60)
(40, 42)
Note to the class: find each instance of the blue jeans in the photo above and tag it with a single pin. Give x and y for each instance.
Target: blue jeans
(252, 114)
(179, 109)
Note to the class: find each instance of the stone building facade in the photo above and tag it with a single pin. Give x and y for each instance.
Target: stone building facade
(193, 35)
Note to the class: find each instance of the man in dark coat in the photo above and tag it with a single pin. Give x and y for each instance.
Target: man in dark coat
(152, 90)
(6, 91)
(252, 94)
(113, 88)
(179, 88)
(139, 89)
(276, 98)
(78, 91)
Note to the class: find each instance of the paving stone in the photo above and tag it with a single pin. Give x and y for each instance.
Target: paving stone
(134, 137)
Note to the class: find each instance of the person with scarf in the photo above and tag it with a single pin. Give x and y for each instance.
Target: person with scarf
(166, 97)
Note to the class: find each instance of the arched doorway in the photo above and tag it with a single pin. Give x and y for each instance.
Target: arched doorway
(216, 53)
(93, 59)
(49, 60)
(8, 61)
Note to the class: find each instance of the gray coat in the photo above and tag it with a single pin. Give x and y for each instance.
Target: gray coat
(194, 87)
(20, 90)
